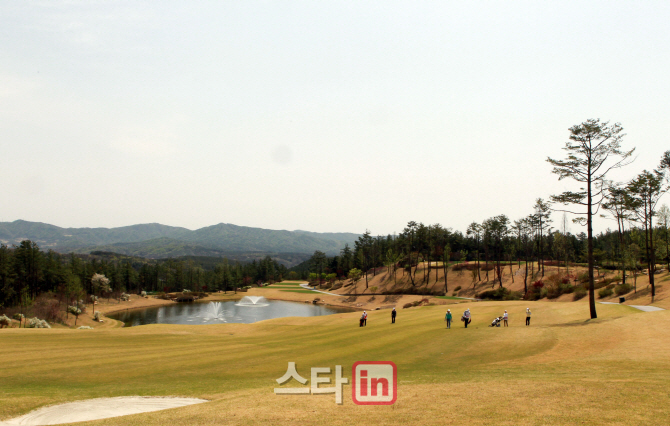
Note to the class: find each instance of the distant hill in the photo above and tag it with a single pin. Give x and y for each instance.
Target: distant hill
(154, 240)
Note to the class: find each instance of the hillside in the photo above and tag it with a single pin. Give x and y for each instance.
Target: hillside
(154, 240)
(384, 282)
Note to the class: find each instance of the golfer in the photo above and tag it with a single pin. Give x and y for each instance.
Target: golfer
(466, 317)
(447, 318)
(393, 314)
(505, 317)
(527, 316)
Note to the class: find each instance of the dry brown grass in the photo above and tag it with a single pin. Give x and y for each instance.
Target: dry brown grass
(564, 369)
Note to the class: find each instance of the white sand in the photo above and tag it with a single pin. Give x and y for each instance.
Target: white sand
(100, 408)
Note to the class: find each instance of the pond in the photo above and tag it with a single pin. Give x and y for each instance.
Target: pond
(248, 310)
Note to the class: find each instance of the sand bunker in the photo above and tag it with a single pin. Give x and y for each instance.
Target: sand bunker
(100, 408)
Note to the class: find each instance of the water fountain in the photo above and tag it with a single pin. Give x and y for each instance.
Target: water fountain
(214, 312)
(252, 301)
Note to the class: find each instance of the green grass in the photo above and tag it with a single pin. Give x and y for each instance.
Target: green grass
(564, 369)
(299, 291)
(448, 297)
(282, 286)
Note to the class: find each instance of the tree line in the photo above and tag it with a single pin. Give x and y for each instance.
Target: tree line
(27, 272)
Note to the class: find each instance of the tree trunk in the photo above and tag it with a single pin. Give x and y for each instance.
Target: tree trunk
(589, 250)
(652, 254)
(525, 279)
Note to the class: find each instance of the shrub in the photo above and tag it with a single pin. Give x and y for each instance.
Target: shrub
(583, 277)
(5, 321)
(623, 289)
(552, 292)
(605, 292)
(566, 288)
(143, 294)
(544, 292)
(97, 316)
(37, 323)
(532, 294)
(85, 327)
(499, 294)
(580, 293)
(407, 305)
(47, 307)
(457, 288)
(18, 316)
(538, 284)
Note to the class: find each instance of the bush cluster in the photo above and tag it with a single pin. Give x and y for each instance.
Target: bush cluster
(37, 323)
(622, 289)
(605, 292)
(499, 294)
(580, 293)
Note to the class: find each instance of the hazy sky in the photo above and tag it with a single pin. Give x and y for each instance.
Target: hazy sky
(322, 116)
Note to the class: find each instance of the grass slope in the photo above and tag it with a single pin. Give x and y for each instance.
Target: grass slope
(564, 369)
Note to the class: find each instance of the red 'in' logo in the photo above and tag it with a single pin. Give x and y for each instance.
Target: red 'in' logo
(374, 382)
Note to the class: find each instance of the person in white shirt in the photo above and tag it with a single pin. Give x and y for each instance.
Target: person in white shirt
(466, 317)
(505, 317)
(527, 316)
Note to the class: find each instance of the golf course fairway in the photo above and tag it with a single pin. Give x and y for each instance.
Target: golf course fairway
(562, 369)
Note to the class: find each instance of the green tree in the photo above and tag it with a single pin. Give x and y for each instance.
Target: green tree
(498, 229)
(664, 220)
(474, 231)
(542, 221)
(593, 150)
(644, 193)
(616, 204)
(355, 276)
(318, 263)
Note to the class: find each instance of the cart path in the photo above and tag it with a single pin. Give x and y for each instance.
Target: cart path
(644, 308)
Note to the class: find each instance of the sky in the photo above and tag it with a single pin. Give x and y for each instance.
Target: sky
(326, 116)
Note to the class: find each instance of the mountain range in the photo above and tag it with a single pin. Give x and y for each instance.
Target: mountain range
(153, 240)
